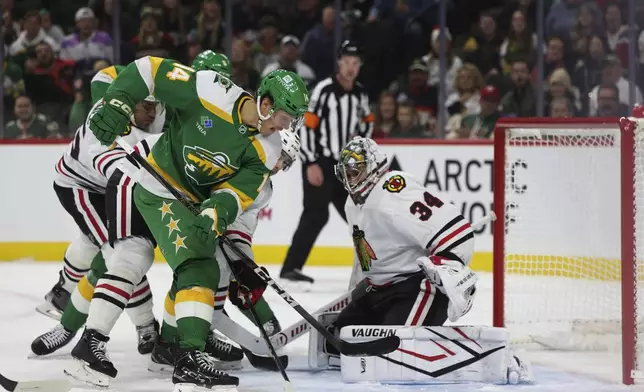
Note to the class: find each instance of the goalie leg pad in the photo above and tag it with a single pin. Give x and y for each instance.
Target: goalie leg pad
(319, 356)
(435, 355)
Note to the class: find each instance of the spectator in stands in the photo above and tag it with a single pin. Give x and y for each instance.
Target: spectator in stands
(560, 108)
(174, 21)
(560, 86)
(413, 87)
(318, 45)
(10, 28)
(407, 122)
(49, 82)
(616, 30)
(521, 100)
(554, 58)
(608, 102)
(385, 115)
(527, 7)
(583, 30)
(521, 42)
(52, 30)
(244, 75)
(564, 13)
(432, 59)
(266, 48)
(588, 71)
(14, 86)
(32, 35)
(86, 45)
(466, 99)
(482, 49)
(305, 16)
(29, 124)
(103, 11)
(248, 13)
(289, 59)
(210, 26)
(82, 97)
(480, 125)
(612, 74)
(151, 41)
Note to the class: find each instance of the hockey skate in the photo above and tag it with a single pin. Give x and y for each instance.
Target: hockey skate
(226, 355)
(296, 280)
(162, 357)
(91, 364)
(195, 371)
(148, 336)
(51, 341)
(55, 300)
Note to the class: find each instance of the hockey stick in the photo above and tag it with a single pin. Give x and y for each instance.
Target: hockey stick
(35, 386)
(491, 217)
(379, 346)
(288, 387)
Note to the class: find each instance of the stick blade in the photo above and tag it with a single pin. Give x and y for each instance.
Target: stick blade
(372, 348)
(44, 386)
(265, 363)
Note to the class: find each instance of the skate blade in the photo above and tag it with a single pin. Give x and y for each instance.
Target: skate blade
(47, 309)
(160, 367)
(195, 388)
(80, 371)
(227, 365)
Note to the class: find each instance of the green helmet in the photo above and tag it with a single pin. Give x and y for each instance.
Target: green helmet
(209, 60)
(288, 92)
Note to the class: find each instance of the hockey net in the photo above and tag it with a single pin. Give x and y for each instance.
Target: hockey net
(568, 241)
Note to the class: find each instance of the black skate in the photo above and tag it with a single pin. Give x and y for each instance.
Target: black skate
(226, 355)
(162, 357)
(195, 371)
(296, 280)
(51, 341)
(92, 364)
(148, 336)
(55, 300)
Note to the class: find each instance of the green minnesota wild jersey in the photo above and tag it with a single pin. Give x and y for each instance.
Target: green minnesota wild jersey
(102, 80)
(207, 152)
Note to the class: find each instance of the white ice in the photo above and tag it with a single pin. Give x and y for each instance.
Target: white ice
(22, 285)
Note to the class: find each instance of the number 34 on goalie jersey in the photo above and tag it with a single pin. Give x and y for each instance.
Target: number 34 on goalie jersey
(401, 221)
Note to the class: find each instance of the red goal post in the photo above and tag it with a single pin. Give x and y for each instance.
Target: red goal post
(560, 265)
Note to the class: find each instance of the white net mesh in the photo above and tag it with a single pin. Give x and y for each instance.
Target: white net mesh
(562, 259)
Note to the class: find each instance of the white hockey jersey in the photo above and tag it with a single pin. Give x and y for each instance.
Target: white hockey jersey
(401, 221)
(88, 164)
(241, 231)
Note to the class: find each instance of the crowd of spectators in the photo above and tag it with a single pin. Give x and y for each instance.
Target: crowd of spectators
(52, 50)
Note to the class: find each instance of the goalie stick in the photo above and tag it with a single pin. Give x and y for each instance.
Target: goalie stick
(384, 345)
(35, 386)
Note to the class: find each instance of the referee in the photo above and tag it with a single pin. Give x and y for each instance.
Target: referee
(338, 111)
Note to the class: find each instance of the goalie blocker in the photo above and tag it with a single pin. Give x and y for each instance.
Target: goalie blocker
(429, 355)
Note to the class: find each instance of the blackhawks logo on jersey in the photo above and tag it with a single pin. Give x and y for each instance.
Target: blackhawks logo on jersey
(395, 184)
(363, 249)
(206, 167)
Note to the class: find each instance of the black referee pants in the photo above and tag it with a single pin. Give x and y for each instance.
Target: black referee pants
(315, 214)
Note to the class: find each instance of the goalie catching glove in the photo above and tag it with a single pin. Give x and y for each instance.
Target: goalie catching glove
(249, 287)
(455, 280)
(111, 120)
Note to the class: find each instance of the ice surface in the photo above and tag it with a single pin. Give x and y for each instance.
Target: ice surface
(22, 285)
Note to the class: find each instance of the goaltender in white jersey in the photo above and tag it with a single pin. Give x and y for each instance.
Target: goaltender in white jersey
(413, 251)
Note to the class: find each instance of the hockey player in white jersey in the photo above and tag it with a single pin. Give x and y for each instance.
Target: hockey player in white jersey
(413, 251)
(133, 256)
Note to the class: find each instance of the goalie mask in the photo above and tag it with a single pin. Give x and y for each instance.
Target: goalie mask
(360, 166)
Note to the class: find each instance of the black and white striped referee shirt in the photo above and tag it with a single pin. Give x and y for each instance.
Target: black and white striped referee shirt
(335, 116)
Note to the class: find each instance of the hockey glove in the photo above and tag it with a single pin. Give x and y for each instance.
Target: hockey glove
(202, 228)
(111, 120)
(250, 287)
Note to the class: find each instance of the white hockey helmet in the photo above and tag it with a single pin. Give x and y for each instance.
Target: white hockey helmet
(361, 165)
(290, 148)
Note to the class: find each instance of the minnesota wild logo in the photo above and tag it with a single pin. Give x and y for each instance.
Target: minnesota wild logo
(363, 250)
(206, 167)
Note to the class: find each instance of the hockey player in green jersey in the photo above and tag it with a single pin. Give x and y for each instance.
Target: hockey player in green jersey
(218, 153)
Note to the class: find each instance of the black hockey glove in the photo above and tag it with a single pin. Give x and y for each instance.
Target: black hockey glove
(249, 287)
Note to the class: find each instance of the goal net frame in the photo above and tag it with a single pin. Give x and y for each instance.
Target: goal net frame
(627, 208)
